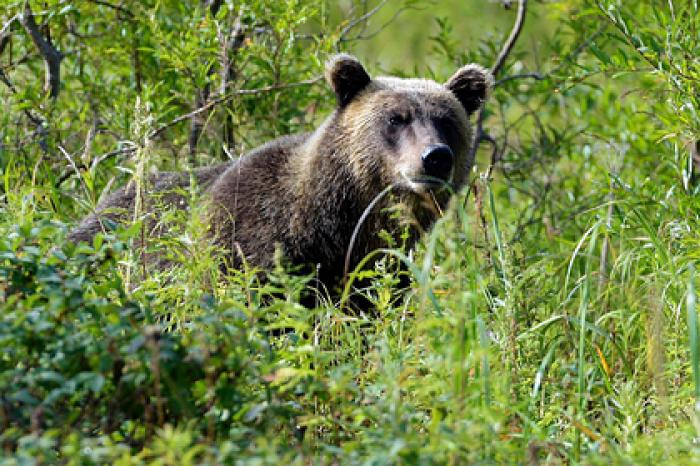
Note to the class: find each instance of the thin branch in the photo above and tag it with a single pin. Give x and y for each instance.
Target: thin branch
(569, 56)
(230, 43)
(360, 19)
(5, 32)
(229, 96)
(124, 150)
(118, 8)
(73, 30)
(363, 35)
(229, 47)
(497, 66)
(75, 169)
(14, 63)
(535, 76)
(6, 80)
(229, 74)
(212, 103)
(4, 40)
(581, 47)
(514, 34)
(36, 120)
(51, 55)
(480, 135)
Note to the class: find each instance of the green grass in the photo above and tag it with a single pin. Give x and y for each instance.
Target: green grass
(551, 317)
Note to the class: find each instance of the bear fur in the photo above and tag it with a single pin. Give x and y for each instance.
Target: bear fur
(305, 194)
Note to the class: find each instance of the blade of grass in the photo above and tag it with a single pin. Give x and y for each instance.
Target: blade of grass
(499, 240)
(583, 317)
(484, 344)
(691, 301)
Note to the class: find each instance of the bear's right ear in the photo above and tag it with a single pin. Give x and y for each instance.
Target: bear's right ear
(471, 84)
(347, 77)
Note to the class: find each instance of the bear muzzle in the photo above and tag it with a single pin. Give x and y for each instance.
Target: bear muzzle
(431, 172)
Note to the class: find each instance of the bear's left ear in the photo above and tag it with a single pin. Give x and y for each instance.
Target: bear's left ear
(347, 77)
(471, 84)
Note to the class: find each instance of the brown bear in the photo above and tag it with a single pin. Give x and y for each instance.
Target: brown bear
(306, 194)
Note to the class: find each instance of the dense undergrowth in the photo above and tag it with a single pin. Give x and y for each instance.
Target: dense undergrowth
(551, 317)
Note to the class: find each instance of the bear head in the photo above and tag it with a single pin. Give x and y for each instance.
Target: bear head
(413, 134)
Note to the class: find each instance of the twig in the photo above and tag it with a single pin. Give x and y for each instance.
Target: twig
(510, 42)
(36, 120)
(364, 20)
(225, 98)
(108, 155)
(569, 56)
(73, 30)
(229, 74)
(363, 35)
(212, 103)
(479, 134)
(495, 153)
(75, 169)
(583, 45)
(51, 55)
(497, 66)
(6, 80)
(5, 32)
(230, 43)
(353, 23)
(535, 76)
(229, 47)
(118, 8)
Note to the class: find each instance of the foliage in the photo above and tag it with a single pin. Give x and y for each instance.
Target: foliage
(552, 314)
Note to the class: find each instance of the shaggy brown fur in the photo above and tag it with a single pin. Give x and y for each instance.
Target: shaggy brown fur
(305, 193)
(119, 206)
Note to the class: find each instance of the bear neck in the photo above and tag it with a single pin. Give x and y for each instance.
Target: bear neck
(323, 172)
(330, 197)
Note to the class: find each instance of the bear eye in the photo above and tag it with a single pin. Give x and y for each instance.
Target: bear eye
(398, 120)
(445, 122)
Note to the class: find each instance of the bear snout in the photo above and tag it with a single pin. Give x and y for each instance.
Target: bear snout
(437, 161)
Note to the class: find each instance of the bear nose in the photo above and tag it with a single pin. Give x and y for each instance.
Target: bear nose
(437, 161)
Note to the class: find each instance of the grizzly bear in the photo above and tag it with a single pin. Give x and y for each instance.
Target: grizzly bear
(311, 195)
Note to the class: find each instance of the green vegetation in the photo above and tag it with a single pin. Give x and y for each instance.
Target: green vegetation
(552, 317)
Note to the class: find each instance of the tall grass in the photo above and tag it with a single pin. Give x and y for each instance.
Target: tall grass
(552, 321)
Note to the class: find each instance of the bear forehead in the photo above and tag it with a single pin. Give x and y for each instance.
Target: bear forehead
(402, 94)
(409, 85)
